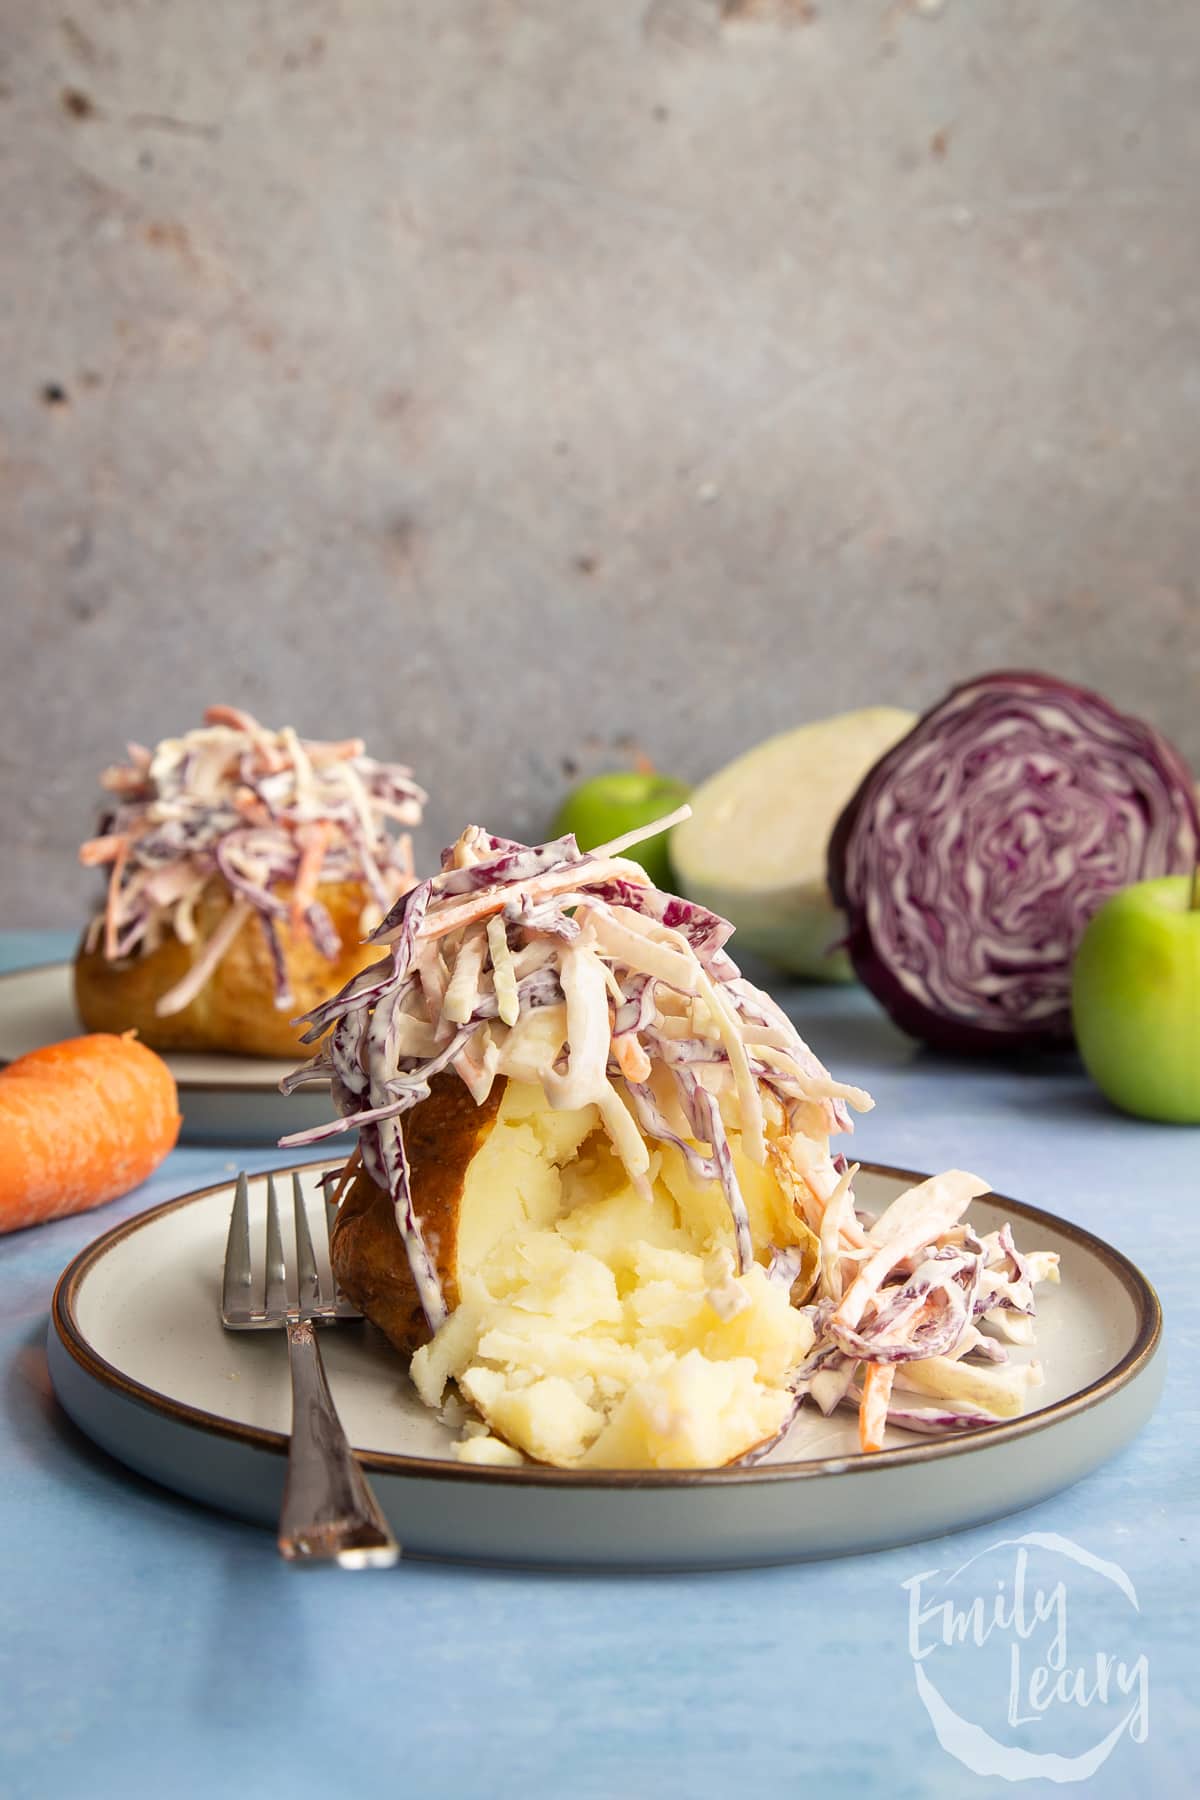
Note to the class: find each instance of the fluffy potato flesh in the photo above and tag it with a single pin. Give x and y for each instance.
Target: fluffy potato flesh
(596, 1328)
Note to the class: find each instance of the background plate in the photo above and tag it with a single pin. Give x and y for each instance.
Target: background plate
(225, 1099)
(141, 1363)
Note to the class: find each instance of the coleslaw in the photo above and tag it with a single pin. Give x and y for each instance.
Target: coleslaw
(259, 810)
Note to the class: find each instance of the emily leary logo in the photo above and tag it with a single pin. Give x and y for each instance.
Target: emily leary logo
(1023, 1659)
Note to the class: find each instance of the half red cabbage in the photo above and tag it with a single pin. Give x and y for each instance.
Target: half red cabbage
(976, 850)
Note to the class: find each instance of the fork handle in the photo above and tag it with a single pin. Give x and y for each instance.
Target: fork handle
(329, 1513)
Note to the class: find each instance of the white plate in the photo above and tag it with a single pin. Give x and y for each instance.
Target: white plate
(229, 1099)
(141, 1363)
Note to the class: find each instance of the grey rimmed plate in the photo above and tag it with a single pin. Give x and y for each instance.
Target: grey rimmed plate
(141, 1363)
(223, 1099)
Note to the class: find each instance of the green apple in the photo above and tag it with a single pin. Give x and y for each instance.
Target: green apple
(608, 806)
(1135, 996)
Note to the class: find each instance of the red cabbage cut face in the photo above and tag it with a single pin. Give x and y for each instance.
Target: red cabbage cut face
(975, 852)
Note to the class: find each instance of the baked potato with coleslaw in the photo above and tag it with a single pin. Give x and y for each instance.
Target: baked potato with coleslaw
(594, 1187)
(233, 1011)
(245, 867)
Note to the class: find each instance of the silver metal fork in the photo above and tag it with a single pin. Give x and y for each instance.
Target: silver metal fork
(329, 1513)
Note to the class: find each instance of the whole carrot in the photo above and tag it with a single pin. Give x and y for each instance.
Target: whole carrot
(81, 1122)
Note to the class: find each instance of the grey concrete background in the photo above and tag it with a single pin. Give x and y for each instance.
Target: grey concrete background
(527, 385)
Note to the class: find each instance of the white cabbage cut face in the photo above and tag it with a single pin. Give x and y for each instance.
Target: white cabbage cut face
(756, 845)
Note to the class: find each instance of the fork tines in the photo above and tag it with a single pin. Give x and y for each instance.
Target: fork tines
(310, 1300)
(238, 1284)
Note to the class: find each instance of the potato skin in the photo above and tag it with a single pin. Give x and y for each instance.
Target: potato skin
(234, 1013)
(441, 1136)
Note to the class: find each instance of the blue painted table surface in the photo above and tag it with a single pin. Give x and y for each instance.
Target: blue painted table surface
(152, 1647)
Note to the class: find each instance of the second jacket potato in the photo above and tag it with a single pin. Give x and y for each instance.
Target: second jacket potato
(235, 1011)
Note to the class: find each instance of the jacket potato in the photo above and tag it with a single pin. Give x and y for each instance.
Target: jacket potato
(234, 1012)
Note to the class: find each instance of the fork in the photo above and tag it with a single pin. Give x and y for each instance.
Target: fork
(329, 1513)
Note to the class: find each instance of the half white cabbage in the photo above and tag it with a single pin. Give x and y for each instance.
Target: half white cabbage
(754, 848)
